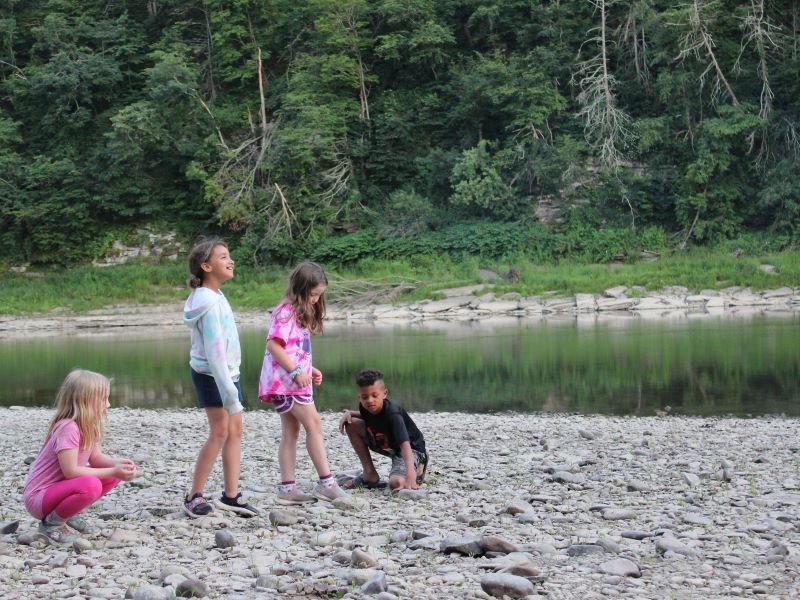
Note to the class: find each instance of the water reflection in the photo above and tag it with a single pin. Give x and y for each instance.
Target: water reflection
(713, 365)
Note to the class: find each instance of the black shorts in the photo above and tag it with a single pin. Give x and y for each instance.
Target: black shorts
(207, 392)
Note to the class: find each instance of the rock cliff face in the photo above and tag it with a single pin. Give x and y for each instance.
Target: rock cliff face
(147, 243)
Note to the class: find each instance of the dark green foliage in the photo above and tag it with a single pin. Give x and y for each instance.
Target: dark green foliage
(489, 240)
(581, 239)
(287, 125)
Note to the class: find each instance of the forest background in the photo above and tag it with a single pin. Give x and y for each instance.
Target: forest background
(345, 129)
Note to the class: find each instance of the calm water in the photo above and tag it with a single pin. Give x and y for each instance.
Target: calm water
(702, 366)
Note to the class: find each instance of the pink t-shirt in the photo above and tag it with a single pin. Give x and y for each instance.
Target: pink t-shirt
(296, 340)
(45, 470)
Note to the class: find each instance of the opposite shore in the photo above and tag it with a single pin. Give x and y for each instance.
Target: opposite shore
(470, 303)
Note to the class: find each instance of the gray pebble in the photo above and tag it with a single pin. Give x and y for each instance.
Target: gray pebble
(691, 479)
(584, 550)
(376, 584)
(359, 558)
(621, 567)
(150, 592)
(502, 584)
(224, 539)
(470, 545)
(9, 527)
(282, 517)
(191, 588)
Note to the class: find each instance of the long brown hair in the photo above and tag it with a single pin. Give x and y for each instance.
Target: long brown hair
(200, 254)
(82, 398)
(304, 278)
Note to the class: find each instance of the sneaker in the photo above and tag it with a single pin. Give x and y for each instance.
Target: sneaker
(331, 493)
(237, 505)
(196, 506)
(56, 535)
(294, 497)
(81, 525)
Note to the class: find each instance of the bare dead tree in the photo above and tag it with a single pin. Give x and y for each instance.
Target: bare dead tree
(698, 42)
(605, 124)
(244, 194)
(792, 140)
(349, 22)
(762, 35)
(210, 45)
(354, 293)
(632, 35)
(337, 177)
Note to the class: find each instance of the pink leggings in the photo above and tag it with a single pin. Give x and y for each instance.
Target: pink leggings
(71, 496)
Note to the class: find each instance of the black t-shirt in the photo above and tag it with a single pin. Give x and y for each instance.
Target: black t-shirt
(390, 428)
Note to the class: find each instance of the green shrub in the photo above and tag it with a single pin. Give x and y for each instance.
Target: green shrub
(485, 239)
(757, 242)
(653, 239)
(605, 244)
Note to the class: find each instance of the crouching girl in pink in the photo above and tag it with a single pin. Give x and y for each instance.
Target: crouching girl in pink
(71, 473)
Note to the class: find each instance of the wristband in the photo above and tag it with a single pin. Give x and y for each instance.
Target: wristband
(295, 372)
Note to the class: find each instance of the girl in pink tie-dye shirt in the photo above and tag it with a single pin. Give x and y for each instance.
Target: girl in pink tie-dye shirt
(287, 376)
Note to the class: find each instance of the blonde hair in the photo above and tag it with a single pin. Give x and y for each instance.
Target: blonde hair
(82, 398)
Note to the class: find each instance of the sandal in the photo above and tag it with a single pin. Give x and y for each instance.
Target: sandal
(358, 481)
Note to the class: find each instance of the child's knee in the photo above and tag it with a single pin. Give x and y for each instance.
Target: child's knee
(218, 435)
(290, 430)
(396, 482)
(235, 429)
(92, 487)
(314, 424)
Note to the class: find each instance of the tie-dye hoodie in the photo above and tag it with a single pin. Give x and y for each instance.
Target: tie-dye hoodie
(215, 342)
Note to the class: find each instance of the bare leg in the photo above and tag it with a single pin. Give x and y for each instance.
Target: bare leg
(232, 455)
(356, 431)
(396, 481)
(287, 448)
(308, 417)
(218, 434)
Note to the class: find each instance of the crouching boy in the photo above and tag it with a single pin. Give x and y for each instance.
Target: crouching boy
(382, 426)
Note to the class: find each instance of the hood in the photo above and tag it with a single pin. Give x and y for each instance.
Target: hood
(199, 302)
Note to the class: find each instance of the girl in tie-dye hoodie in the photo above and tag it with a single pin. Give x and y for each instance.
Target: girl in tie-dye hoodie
(214, 367)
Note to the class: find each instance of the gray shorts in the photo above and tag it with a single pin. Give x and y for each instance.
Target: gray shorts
(399, 465)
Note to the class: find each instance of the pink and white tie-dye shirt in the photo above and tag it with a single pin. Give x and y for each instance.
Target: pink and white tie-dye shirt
(296, 341)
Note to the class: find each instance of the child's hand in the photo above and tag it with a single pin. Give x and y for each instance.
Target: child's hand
(316, 376)
(302, 380)
(345, 419)
(411, 482)
(125, 470)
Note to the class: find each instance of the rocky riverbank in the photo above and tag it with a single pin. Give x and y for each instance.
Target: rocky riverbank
(457, 304)
(559, 506)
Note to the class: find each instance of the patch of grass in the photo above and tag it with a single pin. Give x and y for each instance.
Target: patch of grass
(86, 288)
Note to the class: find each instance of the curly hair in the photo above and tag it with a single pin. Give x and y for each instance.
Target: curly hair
(368, 377)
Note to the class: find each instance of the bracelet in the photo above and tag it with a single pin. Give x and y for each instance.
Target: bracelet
(295, 372)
